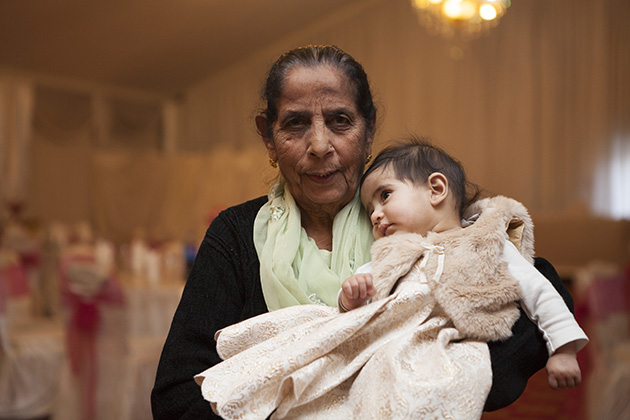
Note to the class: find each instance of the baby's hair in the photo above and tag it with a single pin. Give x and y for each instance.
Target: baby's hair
(415, 158)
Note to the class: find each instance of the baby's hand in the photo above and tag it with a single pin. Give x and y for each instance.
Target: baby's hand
(562, 367)
(356, 290)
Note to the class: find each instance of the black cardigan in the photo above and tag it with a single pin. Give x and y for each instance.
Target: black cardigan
(224, 288)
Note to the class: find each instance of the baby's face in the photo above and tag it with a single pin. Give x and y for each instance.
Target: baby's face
(397, 206)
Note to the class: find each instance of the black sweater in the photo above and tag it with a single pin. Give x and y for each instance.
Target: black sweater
(224, 288)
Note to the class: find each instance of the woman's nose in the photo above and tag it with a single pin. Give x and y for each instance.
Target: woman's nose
(320, 142)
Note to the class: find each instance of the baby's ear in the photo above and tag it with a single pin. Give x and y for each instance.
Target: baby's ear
(438, 184)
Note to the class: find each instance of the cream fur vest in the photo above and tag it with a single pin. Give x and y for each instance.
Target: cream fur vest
(475, 289)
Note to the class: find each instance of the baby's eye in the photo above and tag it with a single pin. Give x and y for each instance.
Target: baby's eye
(385, 195)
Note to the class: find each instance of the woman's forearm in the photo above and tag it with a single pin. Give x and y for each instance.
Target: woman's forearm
(515, 360)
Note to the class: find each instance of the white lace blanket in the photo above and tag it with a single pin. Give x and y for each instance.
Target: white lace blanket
(392, 359)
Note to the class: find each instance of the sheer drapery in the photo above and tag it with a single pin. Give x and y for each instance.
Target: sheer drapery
(612, 180)
(62, 143)
(70, 129)
(172, 196)
(539, 110)
(16, 107)
(171, 114)
(530, 108)
(134, 125)
(60, 115)
(113, 162)
(4, 136)
(611, 193)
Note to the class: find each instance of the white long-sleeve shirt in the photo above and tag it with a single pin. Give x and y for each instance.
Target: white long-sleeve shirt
(543, 304)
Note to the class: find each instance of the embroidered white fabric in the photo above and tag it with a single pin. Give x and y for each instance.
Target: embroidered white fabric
(397, 358)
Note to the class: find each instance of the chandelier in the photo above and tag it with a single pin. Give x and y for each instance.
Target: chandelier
(460, 18)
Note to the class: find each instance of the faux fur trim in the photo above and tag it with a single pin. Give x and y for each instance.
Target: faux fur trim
(518, 223)
(475, 289)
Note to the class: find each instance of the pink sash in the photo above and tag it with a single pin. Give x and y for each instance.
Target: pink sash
(83, 328)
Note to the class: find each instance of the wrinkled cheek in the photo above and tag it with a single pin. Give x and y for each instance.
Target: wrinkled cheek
(292, 154)
(354, 169)
(353, 182)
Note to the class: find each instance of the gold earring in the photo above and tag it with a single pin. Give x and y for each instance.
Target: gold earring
(273, 163)
(369, 158)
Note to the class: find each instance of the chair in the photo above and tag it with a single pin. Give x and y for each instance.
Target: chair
(32, 348)
(93, 303)
(607, 307)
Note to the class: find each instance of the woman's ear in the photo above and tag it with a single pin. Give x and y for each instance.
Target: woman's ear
(438, 184)
(369, 143)
(262, 126)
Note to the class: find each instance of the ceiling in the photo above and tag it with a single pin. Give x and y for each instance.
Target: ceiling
(158, 46)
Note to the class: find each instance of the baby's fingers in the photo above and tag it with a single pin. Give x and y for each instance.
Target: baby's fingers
(351, 288)
(564, 381)
(362, 290)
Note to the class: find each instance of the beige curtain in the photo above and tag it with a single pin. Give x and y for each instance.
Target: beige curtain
(60, 185)
(134, 125)
(534, 109)
(16, 107)
(4, 138)
(172, 196)
(611, 192)
(70, 130)
(539, 109)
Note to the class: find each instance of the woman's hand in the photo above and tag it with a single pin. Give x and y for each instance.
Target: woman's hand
(356, 290)
(562, 367)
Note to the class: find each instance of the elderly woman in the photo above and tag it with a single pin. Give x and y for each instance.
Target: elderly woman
(297, 245)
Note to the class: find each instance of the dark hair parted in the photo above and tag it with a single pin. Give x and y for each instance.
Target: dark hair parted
(414, 159)
(313, 56)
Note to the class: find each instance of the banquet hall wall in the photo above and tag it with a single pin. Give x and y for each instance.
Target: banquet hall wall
(538, 110)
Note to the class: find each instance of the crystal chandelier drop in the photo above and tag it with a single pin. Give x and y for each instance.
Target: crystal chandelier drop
(460, 18)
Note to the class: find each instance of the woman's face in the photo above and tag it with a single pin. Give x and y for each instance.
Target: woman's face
(320, 139)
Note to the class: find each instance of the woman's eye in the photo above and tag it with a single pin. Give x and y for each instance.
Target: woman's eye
(292, 122)
(341, 121)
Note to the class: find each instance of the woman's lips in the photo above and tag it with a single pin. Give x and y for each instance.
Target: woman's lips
(322, 178)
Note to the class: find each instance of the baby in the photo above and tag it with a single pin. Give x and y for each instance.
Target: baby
(418, 188)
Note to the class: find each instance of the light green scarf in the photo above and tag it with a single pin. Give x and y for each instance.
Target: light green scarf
(293, 270)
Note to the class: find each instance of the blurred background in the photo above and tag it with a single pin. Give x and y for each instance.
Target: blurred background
(126, 126)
